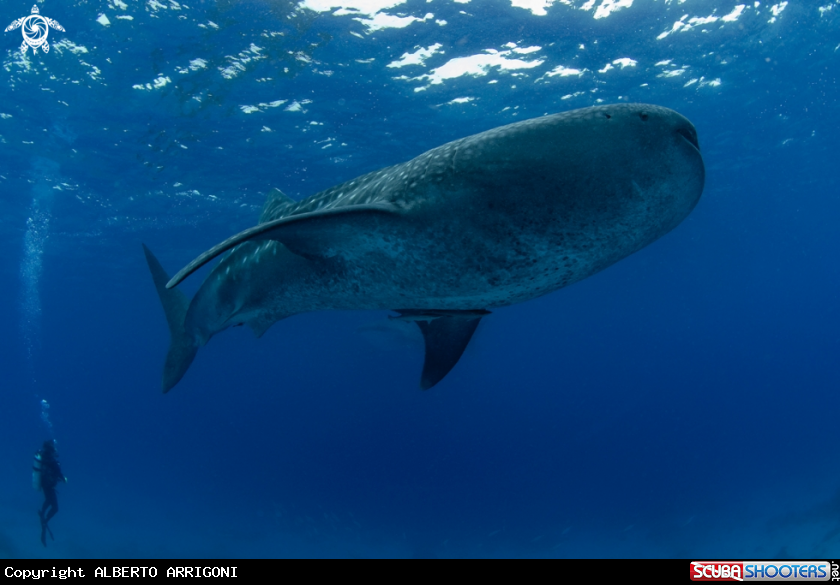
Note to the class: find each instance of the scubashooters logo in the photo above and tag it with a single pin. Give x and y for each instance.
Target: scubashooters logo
(764, 571)
(35, 29)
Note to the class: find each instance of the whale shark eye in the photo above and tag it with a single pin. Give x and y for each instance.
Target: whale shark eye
(608, 116)
(643, 116)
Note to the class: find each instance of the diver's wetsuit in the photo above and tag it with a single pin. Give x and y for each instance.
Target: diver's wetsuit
(50, 476)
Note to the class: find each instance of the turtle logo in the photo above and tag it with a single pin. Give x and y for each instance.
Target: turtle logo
(35, 29)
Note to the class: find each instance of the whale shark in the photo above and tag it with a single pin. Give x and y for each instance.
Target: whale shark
(483, 222)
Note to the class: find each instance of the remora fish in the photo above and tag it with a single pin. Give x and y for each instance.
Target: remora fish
(493, 219)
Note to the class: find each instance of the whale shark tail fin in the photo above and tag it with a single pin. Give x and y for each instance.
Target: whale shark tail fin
(182, 347)
(446, 335)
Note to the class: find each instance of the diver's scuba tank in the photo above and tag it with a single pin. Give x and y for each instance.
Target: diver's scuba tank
(36, 471)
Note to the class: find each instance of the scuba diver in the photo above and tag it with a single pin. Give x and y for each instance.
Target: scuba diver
(46, 473)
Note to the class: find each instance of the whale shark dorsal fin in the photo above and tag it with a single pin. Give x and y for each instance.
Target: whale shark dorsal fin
(275, 200)
(305, 232)
(446, 335)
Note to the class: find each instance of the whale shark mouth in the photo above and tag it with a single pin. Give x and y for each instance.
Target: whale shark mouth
(690, 135)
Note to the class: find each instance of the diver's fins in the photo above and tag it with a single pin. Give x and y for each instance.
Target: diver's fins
(446, 335)
(44, 528)
(182, 347)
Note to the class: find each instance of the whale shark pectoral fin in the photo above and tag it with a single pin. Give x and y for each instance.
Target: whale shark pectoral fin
(446, 335)
(410, 315)
(292, 230)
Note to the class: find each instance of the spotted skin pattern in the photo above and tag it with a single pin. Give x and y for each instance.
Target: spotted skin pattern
(486, 221)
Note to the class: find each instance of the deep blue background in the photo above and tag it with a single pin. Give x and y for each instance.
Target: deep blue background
(681, 403)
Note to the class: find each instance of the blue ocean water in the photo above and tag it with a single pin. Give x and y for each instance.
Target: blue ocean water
(681, 403)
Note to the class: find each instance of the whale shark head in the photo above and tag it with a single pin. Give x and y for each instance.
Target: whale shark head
(619, 176)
